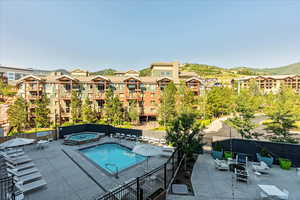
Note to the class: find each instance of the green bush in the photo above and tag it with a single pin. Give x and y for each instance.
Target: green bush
(285, 163)
(265, 153)
(217, 147)
(228, 154)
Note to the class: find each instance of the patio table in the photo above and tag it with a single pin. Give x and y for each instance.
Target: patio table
(271, 190)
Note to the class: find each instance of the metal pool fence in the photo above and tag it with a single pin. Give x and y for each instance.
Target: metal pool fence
(152, 185)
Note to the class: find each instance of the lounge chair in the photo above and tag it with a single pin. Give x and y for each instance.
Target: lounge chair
(166, 154)
(29, 177)
(262, 168)
(122, 135)
(133, 137)
(23, 172)
(168, 149)
(31, 186)
(18, 161)
(128, 137)
(116, 135)
(162, 141)
(221, 165)
(20, 167)
(13, 151)
(286, 195)
(155, 141)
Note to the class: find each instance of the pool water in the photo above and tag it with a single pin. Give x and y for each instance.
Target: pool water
(83, 136)
(109, 156)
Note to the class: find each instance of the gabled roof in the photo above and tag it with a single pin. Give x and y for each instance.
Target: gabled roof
(67, 77)
(194, 78)
(29, 76)
(101, 77)
(132, 77)
(162, 78)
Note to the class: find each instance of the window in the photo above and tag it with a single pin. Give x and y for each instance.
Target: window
(11, 76)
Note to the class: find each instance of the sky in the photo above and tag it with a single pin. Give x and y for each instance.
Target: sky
(129, 34)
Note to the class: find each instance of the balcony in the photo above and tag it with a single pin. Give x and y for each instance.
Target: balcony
(33, 97)
(136, 96)
(65, 95)
(35, 88)
(99, 96)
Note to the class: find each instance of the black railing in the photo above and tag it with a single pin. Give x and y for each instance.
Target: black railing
(156, 181)
(7, 184)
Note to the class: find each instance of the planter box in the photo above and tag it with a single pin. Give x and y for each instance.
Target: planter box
(217, 154)
(228, 154)
(268, 160)
(285, 163)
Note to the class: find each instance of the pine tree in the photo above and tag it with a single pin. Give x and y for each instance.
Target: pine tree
(113, 108)
(42, 111)
(167, 110)
(76, 106)
(17, 114)
(88, 113)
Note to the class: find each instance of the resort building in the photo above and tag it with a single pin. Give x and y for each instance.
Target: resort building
(271, 83)
(145, 91)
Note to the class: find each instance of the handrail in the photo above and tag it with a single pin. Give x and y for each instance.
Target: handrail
(114, 165)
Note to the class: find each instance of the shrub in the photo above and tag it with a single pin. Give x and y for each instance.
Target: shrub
(265, 153)
(285, 163)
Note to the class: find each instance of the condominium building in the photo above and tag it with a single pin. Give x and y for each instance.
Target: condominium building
(271, 83)
(146, 91)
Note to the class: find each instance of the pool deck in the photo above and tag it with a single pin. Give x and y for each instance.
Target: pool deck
(68, 181)
(211, 184)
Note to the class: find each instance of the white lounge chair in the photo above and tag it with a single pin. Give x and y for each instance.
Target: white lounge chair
(286, 195)
(18, 161)
(31, 186)
(20, 167)
(133, 137)
(12, 151)
(221, 165)
(23, 172)
(29, 177)
(122, 135)
(162, 141)
(262, 168)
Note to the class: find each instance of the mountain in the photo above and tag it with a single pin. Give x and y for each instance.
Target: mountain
(288, 69)
(108, 72)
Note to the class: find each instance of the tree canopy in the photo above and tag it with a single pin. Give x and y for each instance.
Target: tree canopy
(76, 106)
(17, 114)
(113, 108)
(42, 111)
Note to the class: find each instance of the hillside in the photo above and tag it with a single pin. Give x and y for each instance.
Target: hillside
(108, 72)
(289, 69)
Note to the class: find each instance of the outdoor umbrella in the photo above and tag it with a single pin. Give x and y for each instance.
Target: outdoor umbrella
(16, 142)
(147, 150)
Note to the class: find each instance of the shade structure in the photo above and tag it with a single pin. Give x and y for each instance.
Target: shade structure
(16, 142)
(147, 150)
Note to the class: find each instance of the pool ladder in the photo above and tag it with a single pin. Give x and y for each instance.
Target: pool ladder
(114, 165)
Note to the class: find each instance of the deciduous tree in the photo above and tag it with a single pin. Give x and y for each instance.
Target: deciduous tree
(167, 109)
(42, 111)
(113, 108)
(76, 106)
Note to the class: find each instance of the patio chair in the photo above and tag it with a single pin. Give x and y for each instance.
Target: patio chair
(31, 186)
(116, 135)
(262, 168)
(221, 165)
(13, 150)
(29, 177)
(146, 139)
(23, 172)
(241, 175)
(20, 167)
(241, 158)
(140, 138)
(155, 141)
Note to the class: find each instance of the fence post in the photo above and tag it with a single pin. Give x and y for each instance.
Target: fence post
(165, 176)
(138, 188)
(173, 166)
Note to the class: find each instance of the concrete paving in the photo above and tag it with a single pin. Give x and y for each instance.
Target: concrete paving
(209, 183)
(67, 181)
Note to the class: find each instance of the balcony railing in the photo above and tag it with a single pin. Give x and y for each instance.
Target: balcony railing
(99, 95)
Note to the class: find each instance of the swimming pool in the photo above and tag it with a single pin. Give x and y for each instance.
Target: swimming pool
(112, 157)
(81, 138)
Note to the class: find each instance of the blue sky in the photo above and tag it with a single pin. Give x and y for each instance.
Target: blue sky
(125, 34)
